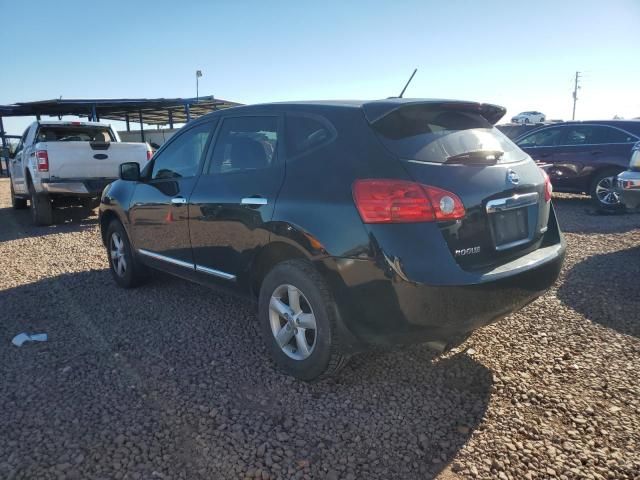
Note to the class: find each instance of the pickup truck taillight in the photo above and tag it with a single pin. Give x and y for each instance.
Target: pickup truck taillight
(149, 154)
(42, 157)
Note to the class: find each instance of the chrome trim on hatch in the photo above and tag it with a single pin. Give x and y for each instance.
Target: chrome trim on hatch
(157, 256)
(215, 273)
(509, 203)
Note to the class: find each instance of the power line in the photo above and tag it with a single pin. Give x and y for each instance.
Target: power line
(575, 95)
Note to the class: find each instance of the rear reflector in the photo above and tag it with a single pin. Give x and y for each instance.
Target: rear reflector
(399, 201)
(42, 158)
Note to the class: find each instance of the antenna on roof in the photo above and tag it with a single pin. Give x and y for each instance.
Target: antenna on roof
(407, 84)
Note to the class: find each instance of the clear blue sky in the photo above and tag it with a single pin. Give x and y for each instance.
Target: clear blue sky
(520, 54)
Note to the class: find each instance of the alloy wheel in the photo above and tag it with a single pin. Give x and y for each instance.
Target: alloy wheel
(116, 250)
(293, 322)
(606, 193)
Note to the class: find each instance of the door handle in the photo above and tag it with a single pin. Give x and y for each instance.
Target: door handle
(178, 200)
(253, 201)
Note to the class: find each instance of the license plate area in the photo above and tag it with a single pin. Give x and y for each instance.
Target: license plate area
(510, 228)
(509, 220)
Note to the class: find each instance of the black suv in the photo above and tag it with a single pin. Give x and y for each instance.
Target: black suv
(353, 223)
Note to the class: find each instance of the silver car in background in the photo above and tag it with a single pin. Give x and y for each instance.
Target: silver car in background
(628, 182)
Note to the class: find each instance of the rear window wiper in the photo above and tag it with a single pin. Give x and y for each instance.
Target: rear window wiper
(477, 157)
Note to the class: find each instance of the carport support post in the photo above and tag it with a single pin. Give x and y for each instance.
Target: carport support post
(141, 125)
(171, 119)
(186, 110)
(126, 117)
(94, 115)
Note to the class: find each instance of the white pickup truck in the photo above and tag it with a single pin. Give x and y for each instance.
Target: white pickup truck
(64, 163)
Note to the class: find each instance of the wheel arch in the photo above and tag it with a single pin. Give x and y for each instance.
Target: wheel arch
(269, 256)
(106, 218)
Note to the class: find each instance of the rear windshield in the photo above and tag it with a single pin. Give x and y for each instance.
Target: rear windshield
(71, 133)
(438, 135)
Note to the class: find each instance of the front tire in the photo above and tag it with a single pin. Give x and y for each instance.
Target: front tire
(298, 317)
(16, 202)
(41, 208)
(125, 269)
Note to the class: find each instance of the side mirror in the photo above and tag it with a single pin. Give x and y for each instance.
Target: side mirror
(130, 171)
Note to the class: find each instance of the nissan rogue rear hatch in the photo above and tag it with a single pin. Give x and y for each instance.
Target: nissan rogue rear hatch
(454, 146)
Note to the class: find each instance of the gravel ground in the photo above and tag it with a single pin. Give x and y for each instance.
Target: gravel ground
(171, 380)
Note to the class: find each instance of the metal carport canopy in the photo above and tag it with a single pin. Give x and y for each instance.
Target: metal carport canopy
(152, 111)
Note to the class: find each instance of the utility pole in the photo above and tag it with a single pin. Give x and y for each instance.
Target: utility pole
(198, 75)
(575, 95)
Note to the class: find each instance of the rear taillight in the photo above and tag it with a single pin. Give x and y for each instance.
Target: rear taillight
(398, 201)
(42, 157)
(149, 154)
(548, 188)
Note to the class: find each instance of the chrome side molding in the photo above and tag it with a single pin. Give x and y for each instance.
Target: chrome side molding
(180, 263)
(171, 260)
(215, 273)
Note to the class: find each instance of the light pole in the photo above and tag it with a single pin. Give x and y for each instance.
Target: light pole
(198, 75)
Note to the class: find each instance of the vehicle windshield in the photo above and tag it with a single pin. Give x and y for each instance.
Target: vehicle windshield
(437, 135)
(74, 133)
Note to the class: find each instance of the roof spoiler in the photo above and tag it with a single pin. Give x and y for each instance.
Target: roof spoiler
(374, 111)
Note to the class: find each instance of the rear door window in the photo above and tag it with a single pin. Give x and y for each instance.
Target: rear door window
(438, 135)
(245, 143)
(579, 135)
(548, 137)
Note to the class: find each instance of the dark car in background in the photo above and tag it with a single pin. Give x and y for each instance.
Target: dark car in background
(352, 223)
(584, 157)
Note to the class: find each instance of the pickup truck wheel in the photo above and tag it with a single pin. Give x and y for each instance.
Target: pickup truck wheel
(125, 269)
(16, 202)
(603, 191)
(41, 208)
(297, 316)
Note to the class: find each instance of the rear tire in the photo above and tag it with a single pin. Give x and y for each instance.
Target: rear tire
(16, 202)
(602, 191)
(41, 208)
(308, 346)
(126, 270)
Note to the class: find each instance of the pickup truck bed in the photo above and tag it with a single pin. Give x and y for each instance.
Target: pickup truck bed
(66, 163)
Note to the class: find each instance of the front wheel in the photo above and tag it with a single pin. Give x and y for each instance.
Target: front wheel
(125, 269)
(603, 192)
(297, 316)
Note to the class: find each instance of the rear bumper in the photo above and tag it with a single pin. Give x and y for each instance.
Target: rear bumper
(76, 187)
(628, 186)
(378, 308)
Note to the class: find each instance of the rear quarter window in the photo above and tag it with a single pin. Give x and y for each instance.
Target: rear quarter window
(305, 133)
